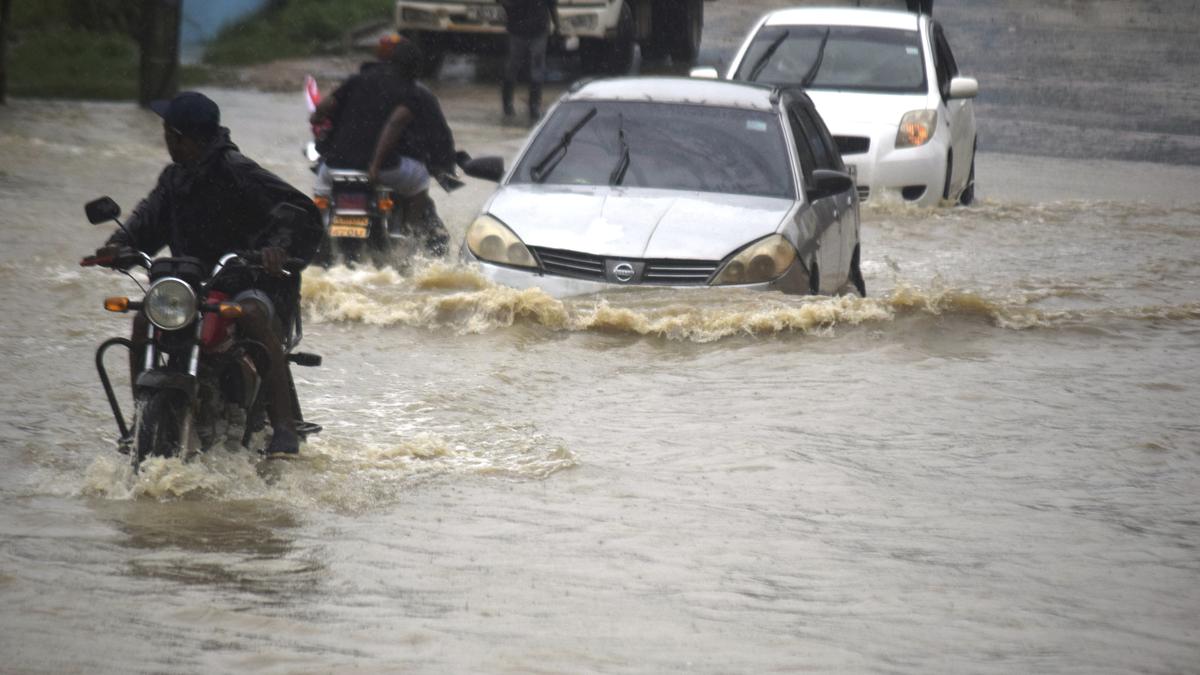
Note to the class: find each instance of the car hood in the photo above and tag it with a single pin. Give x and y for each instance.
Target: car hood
(636, 222)
(842, 109)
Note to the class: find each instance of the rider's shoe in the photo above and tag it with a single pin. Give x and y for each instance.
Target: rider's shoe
(283, 444)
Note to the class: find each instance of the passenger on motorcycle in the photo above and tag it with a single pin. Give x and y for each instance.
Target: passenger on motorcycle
(386, 123)
(213, 200)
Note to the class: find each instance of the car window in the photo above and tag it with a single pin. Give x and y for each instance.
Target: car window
(854, 58)
(944, 62)
(824, 149)
(804, 151)
(671, 146)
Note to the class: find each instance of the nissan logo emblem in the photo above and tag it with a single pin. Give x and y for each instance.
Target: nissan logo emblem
(623, 272)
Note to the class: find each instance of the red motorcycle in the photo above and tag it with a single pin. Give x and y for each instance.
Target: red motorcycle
(200, 384)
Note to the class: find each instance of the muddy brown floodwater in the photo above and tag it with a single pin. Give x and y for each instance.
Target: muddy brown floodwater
(989, 465)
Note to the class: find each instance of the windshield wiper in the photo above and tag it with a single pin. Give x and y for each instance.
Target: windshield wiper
(541, 170)
(766, 56)
(812, 72)
(618, 173)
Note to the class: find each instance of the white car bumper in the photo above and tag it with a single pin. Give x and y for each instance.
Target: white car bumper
(913, 175)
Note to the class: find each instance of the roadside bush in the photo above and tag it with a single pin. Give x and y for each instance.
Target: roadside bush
(295, 28)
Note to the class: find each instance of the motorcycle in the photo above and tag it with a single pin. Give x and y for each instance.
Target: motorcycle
(368, 222)
(201, 382)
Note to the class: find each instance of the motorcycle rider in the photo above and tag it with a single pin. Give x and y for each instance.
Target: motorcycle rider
(213, 200)
(386, 123)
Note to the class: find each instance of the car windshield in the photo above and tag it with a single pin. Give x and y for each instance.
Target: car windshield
(660, 145)
(844, 57)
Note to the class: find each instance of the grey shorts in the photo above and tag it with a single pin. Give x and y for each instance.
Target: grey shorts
(408, 178)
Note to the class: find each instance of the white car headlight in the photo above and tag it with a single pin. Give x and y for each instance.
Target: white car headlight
(170, 304)
(490, 240)
(762, 261)
(916, 128)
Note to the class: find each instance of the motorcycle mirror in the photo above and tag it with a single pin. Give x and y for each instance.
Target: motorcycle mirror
(102, 210)
(486, 168)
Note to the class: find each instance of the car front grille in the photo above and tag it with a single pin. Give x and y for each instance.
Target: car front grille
(852, 145)
(679, 272)
(570, 263)
(558, 262)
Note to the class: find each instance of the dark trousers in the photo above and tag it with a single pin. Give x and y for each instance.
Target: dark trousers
(522, 51)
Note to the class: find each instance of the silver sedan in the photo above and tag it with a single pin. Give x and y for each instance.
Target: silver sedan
(673, 182)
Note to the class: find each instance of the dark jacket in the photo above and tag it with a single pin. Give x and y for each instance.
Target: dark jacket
(365, 103)
(528, 18)
(222, 204)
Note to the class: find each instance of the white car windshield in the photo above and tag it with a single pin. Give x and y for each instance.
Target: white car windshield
(836, 57)
(660, 145)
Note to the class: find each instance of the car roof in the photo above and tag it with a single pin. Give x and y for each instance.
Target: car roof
(678, 90)
(849, 16)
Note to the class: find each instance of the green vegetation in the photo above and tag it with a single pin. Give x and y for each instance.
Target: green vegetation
(74, 48)
(295, 28)
(86, 49)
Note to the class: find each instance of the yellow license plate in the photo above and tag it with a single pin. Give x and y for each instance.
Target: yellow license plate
(354, 227)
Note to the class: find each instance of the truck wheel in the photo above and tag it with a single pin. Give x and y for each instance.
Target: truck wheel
(681, 34)
(613, 57)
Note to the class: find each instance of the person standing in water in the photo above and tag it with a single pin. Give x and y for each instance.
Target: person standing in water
(529, 24)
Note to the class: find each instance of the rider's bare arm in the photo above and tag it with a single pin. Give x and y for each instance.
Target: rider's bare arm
(389, 137)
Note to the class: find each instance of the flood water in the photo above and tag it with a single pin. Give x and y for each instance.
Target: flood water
(991, 464)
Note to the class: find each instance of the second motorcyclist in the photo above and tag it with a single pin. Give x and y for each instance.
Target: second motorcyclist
(386, 123)
(213, 200)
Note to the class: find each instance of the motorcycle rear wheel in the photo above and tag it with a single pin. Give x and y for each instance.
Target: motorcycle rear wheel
(164, 426)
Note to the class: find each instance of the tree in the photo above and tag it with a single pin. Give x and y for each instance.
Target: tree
(5, 19)
(159, 38)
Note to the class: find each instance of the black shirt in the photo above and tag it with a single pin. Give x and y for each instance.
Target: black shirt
(528, 18)
(366, 101)
(222, 204)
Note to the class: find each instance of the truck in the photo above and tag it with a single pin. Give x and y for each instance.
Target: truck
(608, 30)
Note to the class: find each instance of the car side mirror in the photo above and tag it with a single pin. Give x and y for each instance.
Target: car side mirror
(963, 87)
(486, 168)
(705, 73)
(102, 210)
(826, 183)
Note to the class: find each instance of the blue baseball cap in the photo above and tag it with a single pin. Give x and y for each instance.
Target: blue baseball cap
(190, 113)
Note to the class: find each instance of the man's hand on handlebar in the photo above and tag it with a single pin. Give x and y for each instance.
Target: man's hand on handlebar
(273, 260)
(111, 255)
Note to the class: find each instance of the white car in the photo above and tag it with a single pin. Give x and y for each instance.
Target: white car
(672, 182)
(887, 85)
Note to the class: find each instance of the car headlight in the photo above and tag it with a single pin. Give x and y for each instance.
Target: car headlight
(582, 21)
(490, 240)
(916, 128)
(413, 15)
(170, 304)
(764, 260)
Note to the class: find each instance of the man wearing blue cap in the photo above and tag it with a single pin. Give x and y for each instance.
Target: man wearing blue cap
(213, 200)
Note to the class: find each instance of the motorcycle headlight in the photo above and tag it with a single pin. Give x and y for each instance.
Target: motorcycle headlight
(170, 304)
(490, 240)
(916, 128)
(762, 261)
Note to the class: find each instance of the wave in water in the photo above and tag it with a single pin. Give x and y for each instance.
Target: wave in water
(456, 298)
(342, 474)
